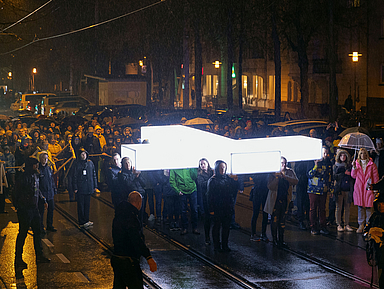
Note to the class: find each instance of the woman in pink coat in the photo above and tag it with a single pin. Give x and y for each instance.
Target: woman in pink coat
(364, 171)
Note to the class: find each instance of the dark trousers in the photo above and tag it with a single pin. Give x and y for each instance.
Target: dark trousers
(28, 218)
(259, 201)
(278, 220)
(184, 206)
(332, 209)
(317, 208)
(2, 202)
(207, 219)
(127, 273)
(83, 204)
(172, 207)
(302, 200)
(51, 207)
(71, 190)
(149, 197)
(222, 222)
(159, 198)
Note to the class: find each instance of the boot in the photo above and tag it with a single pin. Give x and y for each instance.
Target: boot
(360, 229)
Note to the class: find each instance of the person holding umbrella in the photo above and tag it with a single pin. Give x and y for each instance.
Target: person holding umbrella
(365, 172)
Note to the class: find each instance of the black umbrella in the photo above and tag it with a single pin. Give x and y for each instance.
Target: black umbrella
(72, 120)
(128, 121)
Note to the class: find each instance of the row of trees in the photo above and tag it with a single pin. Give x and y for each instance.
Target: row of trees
(166, 32)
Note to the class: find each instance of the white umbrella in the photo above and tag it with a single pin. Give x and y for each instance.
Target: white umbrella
(198, 120)
(356, 140)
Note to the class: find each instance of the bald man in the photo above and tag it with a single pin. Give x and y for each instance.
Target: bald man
(129, 243)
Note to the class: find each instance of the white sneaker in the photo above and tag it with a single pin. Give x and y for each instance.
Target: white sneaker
(88, 224)
(360, 229)
(348, 228)
(340, 228)
(151, 217)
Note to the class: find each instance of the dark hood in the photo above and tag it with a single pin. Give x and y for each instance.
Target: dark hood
(217, 165)
(379, 199)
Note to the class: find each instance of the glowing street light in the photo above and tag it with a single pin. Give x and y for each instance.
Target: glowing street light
(355, 58)
(34, 71)
(217, 64)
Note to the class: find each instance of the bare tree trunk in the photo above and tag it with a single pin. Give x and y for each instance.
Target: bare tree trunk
(303, 65)
(186, 60)
(333, 97)
(198, 64)
(230, 60)
(240, 74)
(276, 45)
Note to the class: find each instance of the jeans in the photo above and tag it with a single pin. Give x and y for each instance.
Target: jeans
(363, 214)
(259, 200)
(342, 199)
(158, 197)
(184, 206)
(317, 206)
(28, 218)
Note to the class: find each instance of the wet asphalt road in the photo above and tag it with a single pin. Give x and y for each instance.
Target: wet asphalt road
(337, 261)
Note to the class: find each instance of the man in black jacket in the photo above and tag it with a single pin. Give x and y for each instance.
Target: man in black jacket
(129, 244)
(48, 189)
(26, 199)
(84, 184)
(112, 180)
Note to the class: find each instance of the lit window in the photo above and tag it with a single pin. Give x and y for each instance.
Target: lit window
(382, 73)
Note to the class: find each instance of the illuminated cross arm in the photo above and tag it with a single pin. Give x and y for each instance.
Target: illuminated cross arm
(175, 147)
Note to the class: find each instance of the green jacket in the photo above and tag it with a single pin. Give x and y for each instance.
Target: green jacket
(183, 180)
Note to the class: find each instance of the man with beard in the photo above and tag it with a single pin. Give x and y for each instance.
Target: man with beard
(26, 199)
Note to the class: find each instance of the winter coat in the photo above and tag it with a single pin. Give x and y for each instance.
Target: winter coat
(362, 196)
(202, 185)
(280, 189)
(111, 178)
(84, 177)
(129, 182)
(47, 184)
(127, 233)
(221, 193)
(27, 193)
(183, 180)
(320, 178)
(376, 221)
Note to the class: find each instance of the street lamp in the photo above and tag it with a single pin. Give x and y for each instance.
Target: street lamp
(34, 71)
(355, 58)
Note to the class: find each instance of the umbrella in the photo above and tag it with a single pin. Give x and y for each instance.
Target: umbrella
(45, 121)
(73, 120)
(357, 140)
(354, 129)
(198, 120)
(128, 121)
(4, 117)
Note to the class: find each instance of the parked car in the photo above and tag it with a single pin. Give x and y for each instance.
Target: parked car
(49, 102)
(68, 107)
(30, 101)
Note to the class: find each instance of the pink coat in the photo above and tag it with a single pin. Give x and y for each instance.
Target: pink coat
(361, 196)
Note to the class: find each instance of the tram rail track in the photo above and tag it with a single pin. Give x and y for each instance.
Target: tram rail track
(148, 282)
(243, 282)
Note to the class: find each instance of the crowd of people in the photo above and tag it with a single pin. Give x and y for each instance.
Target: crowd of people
(81, 160)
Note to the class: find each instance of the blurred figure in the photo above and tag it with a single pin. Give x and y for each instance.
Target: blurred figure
(129, 244)
(204, 173)
(258, 196)
(364, 171)
(26, 198)
(319, 184)
(343, 188)
(281, 183)
(112, 179)
(183, 183)
(85, 184)
(48, 189)
(221, 194)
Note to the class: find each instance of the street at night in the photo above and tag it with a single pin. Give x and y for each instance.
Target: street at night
(81, 259)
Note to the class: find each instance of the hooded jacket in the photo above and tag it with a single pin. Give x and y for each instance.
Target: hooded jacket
(221, 193)
(84, 177)
(343, 182)
(47, 184)
(128, 182)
